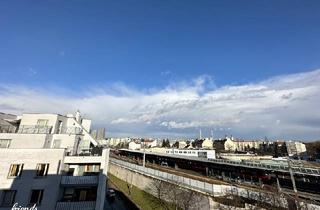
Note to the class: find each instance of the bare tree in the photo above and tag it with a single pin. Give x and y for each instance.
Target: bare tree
(172, 194)
(159, 189)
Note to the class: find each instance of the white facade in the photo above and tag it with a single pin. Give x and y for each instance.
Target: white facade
(115, 141)
(153, 143)
(209, 154)
(239, 145)
(182, 144)
(134, 146)
(50, 160)
(295, 148)
(207, 144)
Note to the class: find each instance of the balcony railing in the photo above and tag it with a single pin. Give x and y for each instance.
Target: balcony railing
(38, 129)
(79, 180)
(34, 129)
(84, 151)
(8, 129)
(81, 205)
(71, 130)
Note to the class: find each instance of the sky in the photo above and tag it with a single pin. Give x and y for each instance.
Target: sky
(166, 68)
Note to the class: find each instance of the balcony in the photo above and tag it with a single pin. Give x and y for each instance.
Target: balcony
(34, 129)
(70, 131)
(8, 129)
(81, 205)
(79, 180)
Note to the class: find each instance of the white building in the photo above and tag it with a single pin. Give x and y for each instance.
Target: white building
(210, 154)
(295, 147)
(207, 144)
(240, 145)
(150, 143)
(116, 141)
(52, 161)
(134, 146)
(182, 144)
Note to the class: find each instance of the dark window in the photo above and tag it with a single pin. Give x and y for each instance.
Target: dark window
(36, 196)
(15, 170)
(42, 169)
(8, 197)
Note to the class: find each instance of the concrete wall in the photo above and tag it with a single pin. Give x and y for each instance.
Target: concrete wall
(66, 140)
(25, 140)
(28, 180)
(145, 182)
(32, 119)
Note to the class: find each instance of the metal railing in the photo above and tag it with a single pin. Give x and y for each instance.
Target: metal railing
(81, 205)
(34, 129)
(263, 166)
(71, 131)
(39, 129)
(8, 129)
(79, 180)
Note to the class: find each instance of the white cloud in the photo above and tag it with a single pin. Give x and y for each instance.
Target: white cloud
(280, 107)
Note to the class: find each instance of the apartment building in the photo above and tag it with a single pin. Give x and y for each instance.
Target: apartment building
(295, 148)
(239, 145)
(51, 161)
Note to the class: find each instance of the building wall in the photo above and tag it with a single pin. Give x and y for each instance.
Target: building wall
(32, 119)
(208, 144)
(25, 140)
(30, 158)
(134, 146)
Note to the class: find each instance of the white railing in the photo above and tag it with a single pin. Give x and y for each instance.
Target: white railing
(34, 129)
(71, 130)
(81, 205)
(79, 180)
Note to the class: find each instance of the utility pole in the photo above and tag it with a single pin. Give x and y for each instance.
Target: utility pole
(291, 173)
(144, 155)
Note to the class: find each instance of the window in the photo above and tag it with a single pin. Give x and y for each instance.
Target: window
(42, 169)
(7, 198)
(15, 170)
(42, 122)
(5, 143)
(36, 196)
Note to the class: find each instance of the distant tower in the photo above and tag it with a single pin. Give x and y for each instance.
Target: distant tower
(211, 134)
(200, 135)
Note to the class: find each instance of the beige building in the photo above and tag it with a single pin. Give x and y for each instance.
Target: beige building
(207, 144)
(240, 145)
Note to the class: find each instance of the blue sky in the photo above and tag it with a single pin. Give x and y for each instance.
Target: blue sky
(84, 49)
